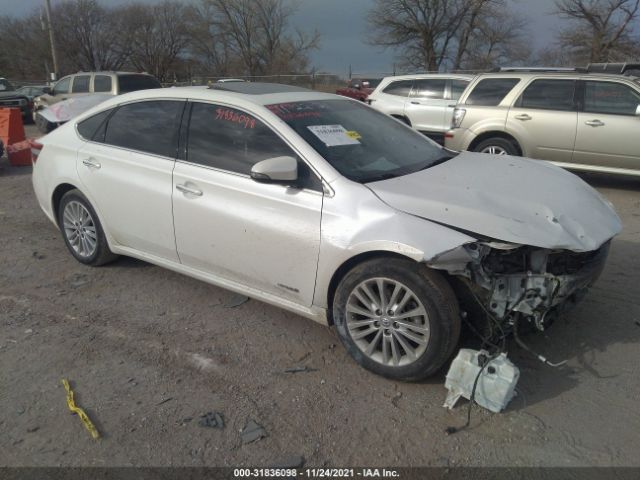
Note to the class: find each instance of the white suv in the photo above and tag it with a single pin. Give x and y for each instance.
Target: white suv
(425, 102)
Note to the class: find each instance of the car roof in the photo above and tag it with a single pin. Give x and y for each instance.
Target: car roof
(249, 88)
(258, 94)
(418, 76)
(541, 73)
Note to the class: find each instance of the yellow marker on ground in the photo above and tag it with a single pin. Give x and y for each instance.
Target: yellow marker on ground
(75, 409)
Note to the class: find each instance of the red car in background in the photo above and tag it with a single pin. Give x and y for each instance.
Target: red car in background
(359, 88)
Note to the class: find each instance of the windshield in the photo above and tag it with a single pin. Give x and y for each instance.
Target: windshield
(5, 86)
(362, 144)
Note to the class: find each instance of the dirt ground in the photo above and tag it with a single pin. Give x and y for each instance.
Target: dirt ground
(149, 351)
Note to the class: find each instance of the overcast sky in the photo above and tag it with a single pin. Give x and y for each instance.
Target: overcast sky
(343, 30)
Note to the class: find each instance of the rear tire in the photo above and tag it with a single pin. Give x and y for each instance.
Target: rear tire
(409, 331)
(82, 231)
(497, 146)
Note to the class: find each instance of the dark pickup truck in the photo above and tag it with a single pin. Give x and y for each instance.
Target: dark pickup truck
(359, 88)
(10, 98)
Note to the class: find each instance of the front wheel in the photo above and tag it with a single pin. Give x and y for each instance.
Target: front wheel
(397, 318)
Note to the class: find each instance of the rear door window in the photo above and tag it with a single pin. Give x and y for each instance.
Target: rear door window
(429, 88)
(549, 95)
(81, 84)
(491, 91)
(102, 83)
(457, 87)
(89, 127)
(610, 97)
(400, 88)
(150, 127)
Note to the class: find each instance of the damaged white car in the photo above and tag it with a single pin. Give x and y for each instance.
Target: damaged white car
(325, 207)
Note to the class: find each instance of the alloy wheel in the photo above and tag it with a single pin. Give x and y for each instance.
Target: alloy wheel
(387, 322)
(80, 229)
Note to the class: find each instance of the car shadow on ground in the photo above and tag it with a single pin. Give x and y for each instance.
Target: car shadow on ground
(603, 180)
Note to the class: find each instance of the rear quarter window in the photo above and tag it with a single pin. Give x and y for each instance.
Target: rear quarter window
(401, 88)
(491, 91)
(133, 83)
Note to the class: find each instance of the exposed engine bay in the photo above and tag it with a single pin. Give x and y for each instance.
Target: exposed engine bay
(522, 283)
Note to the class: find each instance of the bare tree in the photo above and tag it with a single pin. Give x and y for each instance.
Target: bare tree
(602, 29)
(159, 36)
(94, 37)
(434, 34)
(257, 32)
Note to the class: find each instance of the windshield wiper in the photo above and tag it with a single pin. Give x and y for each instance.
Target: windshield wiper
(379, 178)
(437, 161)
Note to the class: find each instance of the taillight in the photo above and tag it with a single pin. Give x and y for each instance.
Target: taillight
(36, 148)
(458, 116)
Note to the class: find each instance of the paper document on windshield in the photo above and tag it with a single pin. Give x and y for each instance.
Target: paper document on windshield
(333, 135)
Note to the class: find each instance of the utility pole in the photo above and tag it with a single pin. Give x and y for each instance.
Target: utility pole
(52, 41)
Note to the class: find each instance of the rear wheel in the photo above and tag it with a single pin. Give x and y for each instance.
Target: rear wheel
(397, 318)
(497, 146)
(82, 231)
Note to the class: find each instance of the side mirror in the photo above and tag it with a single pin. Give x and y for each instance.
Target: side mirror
(275, 170)
(638, 111)
(46, 90)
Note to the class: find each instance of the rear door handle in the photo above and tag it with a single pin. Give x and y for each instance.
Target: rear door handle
(189, 190)
(594, 123)
(415, 103)
(523, 117)
(91, 163)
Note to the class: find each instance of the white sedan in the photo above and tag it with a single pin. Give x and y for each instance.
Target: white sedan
(319, 204)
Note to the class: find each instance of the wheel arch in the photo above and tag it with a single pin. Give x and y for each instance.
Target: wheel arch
(57, 195)
(493, 134)
(402, 118)
(352, 262)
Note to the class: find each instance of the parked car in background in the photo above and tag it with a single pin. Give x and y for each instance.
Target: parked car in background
(582, 120)
(12, 98)
(83, 83)
(359, 88)
(323, 206)
(424, 102)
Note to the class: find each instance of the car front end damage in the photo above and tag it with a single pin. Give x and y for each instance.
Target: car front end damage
(514, 283)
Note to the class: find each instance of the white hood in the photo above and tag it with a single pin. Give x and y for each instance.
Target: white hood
(512, 199)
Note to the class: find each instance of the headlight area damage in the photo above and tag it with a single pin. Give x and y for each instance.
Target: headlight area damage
(518, 282)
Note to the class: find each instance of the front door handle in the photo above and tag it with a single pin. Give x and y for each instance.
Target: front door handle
(415, 103)
(189, 190)
(594, 123)
(91, 163)
(523, 117)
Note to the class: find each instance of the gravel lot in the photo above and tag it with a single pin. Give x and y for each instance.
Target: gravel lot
(149, 351)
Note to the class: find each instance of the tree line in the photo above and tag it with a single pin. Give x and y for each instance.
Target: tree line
(171, 39)
(174, 39)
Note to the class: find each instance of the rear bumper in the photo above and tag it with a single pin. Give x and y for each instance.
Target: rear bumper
(458, 139)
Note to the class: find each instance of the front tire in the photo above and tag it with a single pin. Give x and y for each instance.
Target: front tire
(397, 318)
(82, 231)
(497, 146)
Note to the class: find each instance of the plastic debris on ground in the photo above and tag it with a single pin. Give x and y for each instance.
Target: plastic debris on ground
(236, 301)
(211, 420)
(80, 412)
(495, 379)
(252, 432)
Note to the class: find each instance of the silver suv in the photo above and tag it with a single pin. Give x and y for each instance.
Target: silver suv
(424, 102)
(83, 83)
(581, 120)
